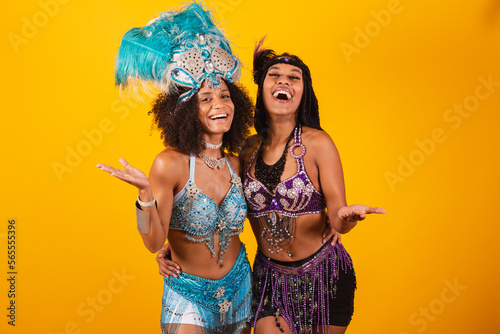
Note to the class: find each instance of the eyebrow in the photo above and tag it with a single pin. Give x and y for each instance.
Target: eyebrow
(293, 69)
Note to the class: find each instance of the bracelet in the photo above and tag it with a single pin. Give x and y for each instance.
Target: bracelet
(146, 204)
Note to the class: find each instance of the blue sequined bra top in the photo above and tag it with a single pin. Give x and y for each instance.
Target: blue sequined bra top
(200, 216)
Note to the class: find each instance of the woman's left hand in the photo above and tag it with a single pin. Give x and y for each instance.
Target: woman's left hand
(330, 232)
(357, 212)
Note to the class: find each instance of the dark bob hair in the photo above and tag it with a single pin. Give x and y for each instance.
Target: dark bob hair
(181, 128)
(308, 111)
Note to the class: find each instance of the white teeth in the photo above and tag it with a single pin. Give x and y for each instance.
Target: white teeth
(288, 96)
(218, 116)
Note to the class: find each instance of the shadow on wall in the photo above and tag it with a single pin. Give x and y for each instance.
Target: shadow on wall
(492, 13)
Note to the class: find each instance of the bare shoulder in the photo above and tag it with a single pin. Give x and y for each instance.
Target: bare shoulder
(314, 138)
(234, 161)
(320, 146)
(168, 161)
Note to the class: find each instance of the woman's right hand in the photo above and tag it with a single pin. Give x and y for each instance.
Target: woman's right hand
(130, 174)
(166, 265)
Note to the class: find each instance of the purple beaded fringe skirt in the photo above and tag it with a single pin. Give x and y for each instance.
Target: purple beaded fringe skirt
(301, 295)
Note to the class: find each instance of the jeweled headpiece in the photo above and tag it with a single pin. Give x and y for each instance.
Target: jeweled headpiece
(178, 48)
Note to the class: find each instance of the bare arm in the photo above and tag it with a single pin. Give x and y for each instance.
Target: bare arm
(331, 177)
(162, 182)
(342, 217)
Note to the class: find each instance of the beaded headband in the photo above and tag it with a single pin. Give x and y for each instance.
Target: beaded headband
(264, 58)
(177, 49)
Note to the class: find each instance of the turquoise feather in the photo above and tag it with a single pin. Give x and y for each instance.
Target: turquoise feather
(145, 56)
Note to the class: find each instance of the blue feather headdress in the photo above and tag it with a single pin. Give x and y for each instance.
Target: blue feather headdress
(181, 48)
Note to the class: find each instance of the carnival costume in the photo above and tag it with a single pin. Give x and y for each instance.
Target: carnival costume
(312, 292)
(221, 306)
(185, 49)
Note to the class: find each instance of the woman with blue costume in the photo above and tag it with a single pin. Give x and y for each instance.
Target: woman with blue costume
(193, 195)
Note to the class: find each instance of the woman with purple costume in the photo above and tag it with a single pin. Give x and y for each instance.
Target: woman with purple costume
(293, 184)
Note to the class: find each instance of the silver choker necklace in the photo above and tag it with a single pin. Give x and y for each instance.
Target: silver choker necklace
(213, 163)
(212, 146)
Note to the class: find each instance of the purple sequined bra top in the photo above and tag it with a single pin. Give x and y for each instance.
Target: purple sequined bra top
(293, 197)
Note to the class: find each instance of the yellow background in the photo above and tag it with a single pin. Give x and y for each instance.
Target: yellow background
(381, 101)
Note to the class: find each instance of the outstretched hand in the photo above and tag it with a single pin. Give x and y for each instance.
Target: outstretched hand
(357, 212)
(166, 265)
(130, 174)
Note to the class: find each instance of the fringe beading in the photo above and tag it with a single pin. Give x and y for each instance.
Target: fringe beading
(301, 295)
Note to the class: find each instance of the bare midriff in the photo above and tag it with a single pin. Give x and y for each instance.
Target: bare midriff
(196, 259)
(307, 239)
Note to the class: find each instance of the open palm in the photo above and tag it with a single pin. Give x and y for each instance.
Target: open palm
(130, 174)
(357, 212)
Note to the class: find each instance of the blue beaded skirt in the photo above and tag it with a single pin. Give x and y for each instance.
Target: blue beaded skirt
(214, 306)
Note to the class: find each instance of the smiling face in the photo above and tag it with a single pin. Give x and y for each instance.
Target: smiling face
(282, 89)
(215, 109)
